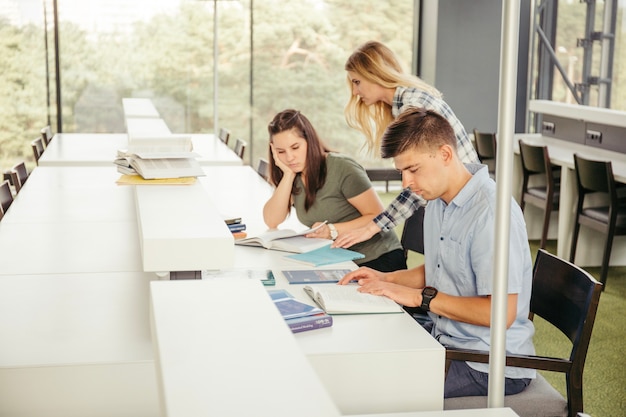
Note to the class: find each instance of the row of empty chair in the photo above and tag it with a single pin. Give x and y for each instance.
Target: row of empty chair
(18, 174)
(541, 188)
(262, 167)
(240, 144)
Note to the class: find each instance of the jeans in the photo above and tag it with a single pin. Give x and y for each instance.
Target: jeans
(464, 381)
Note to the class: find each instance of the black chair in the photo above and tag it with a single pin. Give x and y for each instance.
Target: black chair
(536, 163)
(413, 232)
(609, 217)
(485, 145)
(567, 297)
(240, 148)
(262, 168)
(224, 135)
(6, 197)
(37, 146)
(19, 175)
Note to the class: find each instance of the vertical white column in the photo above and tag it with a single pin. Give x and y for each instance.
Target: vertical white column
(506, 129)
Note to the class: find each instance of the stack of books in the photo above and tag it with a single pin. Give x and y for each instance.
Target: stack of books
(160, 157)
(236, 227)
(299, 316)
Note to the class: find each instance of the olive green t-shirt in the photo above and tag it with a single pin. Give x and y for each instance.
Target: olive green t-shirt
(345, 179)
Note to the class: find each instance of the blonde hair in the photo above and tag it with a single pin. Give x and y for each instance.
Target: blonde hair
(376, 63)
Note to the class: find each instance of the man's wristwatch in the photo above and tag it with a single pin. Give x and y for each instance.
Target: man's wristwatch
(333, 231)
(428, 293)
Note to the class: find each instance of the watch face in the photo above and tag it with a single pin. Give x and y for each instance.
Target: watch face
(429, 291)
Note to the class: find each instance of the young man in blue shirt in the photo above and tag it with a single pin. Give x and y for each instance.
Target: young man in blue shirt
(455, 283)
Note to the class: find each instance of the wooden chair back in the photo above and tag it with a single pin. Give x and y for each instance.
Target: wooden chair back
(240, 148)
(263, 168)
(38, 148)
(536, 163)
(607, 217)
(567, 297)
(46, 135)
(224, 135)
(6, 197)
(486, 148)
(19, 175)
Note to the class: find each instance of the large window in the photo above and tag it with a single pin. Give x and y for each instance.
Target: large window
(581, 43)
(271, 54)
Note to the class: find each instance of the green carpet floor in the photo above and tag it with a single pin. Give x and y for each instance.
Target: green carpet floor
(605, 368)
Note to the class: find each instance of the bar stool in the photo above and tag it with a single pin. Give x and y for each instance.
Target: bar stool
(485, 145)
(596, 177)
(536, 163)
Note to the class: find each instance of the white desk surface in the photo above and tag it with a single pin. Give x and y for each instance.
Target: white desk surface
(139, 126)
(576, 111)
(100, 149)
(139, 107)
(87, 249)
(395, 345)
(230, 355)
(76, 345)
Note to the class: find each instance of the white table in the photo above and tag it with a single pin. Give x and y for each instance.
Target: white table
(223, 350)
(590, 242)
(75, 277)
(100, 149)
(368, 363)
(76, 345)
(139, 107)
(141, 126)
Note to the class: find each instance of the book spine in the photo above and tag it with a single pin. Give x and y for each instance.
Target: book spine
(237, 227)
(303, 324)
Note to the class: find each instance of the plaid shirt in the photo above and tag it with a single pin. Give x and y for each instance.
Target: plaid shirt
(407, 202)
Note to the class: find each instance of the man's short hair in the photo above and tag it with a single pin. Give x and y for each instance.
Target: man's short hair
(417, 128)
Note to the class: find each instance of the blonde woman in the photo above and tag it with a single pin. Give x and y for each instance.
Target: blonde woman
(380, 91)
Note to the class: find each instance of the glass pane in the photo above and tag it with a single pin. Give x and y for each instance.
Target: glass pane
(22, 84)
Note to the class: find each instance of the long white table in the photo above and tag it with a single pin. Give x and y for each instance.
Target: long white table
(100, 149)
(590, 242)
(139, 107)
(71, 277)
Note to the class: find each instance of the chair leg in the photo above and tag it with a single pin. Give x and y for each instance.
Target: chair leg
(604, 270)
(572, 253)
(546, 225)
(574, 393)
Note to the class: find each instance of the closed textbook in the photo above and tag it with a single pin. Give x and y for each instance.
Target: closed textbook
(345, 299)
(299, 316)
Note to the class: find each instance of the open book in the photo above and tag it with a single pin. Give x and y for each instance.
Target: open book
(154, 157)
(285, 240)
(345, 299)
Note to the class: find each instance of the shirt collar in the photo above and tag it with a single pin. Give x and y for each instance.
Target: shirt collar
(480, 175)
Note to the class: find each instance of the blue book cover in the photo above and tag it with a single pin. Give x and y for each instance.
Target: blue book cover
(237, 227)
(291, 308)
(326, 256)
(317, 321)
